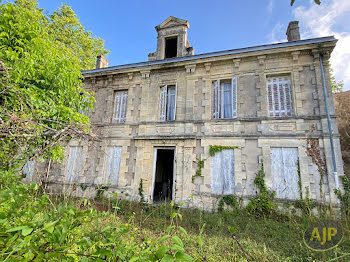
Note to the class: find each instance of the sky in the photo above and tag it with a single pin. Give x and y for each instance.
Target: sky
(128, 26)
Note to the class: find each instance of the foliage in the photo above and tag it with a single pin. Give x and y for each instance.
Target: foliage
(40, 81)
(316, 2)
(300, 186)
(229, 200)
(215, 148)
(32, 228)
(200, 165)
(341, 103)
(141, 191)
(337, 87)
(306, 205)
(261, 205)
(344, 197)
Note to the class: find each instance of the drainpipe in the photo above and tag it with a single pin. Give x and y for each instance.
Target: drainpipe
(329, 124)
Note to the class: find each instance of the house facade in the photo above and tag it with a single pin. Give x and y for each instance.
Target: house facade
(203, 125)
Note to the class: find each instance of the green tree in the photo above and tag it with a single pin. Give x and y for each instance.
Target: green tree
(337, 87)
(41, 94)
(316, 1)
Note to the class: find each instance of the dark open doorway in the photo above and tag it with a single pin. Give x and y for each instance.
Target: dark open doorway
(164, 175)
(171, 47)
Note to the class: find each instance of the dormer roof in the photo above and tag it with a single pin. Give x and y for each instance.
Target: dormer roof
(172, 21)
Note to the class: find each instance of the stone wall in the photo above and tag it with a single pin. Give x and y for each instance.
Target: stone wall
(193, 130)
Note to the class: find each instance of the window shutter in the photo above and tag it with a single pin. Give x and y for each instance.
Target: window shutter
(113, 165)
(117, 102)
(222, 172)
(288, 93)
(284, 168)
(279, 96)
(175, 101)
(162, 103)
(124, 102)
(28, 169)
(234, 97)
(73, 164)
(215, 99)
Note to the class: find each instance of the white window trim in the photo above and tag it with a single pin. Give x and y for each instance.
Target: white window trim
(218, 98)
(120, 107)
(163, 104)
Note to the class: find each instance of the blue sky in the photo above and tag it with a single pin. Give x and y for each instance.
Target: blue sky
(128, 26)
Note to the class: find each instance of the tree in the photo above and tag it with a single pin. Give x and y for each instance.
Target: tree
(316, 1)
(41, 94)
(337, 87)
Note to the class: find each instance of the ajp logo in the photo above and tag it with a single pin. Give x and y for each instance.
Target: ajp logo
(323, 235)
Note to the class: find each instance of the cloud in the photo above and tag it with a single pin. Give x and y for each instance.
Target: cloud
(276, 33)
(270, 6)
(325, 20)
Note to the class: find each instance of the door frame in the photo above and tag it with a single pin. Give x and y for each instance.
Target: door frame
(155, 154)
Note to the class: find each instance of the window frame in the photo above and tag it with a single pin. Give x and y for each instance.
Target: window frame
(218, 98)
(124, 94)
(272, 112)
(164, 103)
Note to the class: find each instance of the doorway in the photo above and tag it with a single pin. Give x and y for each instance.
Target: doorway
(164, 175)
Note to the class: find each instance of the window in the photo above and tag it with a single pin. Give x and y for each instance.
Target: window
(284, 168)
(112, 165)
(222, 172)
(224, 99)
(120, 103)
(167, 104)
(171, 47)
(279, 96)
(28, 169)
(74, 164)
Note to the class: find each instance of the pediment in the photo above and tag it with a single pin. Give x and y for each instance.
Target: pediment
(172, 21)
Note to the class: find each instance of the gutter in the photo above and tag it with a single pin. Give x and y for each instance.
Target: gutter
(215, 54)
(335, 173)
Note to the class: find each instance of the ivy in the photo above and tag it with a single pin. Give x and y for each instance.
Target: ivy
(140, 189)
(261, 205)
(300, 186)
(200, 165)
(229, 200)
(344, 197)
(215, 148)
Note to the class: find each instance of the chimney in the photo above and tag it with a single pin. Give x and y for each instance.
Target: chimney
(293, 33)
(101, 62)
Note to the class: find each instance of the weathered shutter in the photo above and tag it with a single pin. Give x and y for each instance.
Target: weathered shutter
(221, 100)
(215, 99)
(28, 169)
(222, 172)
(113, 164)
(117, 102)
(284, 168)
(124, 102)
(288, 94)
(175, 101)
(73, 164)
(279, 96)
(162, 103)
(234, 97)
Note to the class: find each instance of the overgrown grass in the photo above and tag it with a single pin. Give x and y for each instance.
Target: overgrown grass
(39, 227)
(277, 238)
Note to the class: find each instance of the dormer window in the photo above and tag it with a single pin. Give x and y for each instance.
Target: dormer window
(171, 47)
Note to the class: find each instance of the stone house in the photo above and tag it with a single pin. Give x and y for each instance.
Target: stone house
(159, 120)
